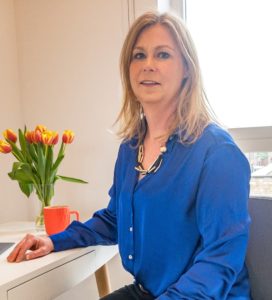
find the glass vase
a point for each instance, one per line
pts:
(39, 220)
(44, 193)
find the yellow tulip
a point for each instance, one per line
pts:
(5, 147)
(50, 137)
(10, 135)
(47, 137)
(68, 136)
(40, 128)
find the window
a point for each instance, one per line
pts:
(234, 43)
(261, 173)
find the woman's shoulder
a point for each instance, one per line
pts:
(214, 135)
(127, 147)
(217, 145)
(217, 140)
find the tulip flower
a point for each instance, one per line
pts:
(49, 137)
(10, 135)
(40, 128)
(5, 147)
(68, 136)
(55, 138)
(28, 136)
(36, 136)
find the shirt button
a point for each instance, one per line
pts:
(130, 229)
(130, 257)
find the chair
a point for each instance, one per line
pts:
(259, 255)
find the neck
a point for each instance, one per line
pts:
(158, 121)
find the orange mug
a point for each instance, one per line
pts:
(57, 218)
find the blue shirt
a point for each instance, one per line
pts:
(182, 231)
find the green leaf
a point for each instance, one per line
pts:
(11, 176)
(25, 146)
(57, 162)
(41, 163)
(59, 157)
(22, 172)
(22, 176)
(49, 193)
(15, 167)
(71, 179)
(53, 177)
(26, 188)
(32, 152)
(22, 143)
(49, 164)
(17, 152)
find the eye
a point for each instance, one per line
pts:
(163, 55)
(138, 55)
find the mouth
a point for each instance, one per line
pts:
(149, 83)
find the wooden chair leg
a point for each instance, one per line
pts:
(103, 281)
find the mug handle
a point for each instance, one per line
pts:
(76, 213)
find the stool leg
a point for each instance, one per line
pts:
(102, 281)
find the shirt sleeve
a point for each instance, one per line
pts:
(223, 221)
(101, 229)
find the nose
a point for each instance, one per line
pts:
(150, 65)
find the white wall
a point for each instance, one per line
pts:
(69, 76)
(12, 202)
(68, 53)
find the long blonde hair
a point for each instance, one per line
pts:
(193, 112)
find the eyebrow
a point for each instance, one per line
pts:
(156, 48)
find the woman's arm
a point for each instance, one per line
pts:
(223, 222)
(101, 229)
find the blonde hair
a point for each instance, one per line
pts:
(193, 112)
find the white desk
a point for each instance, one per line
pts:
(47, 277)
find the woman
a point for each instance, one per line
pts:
(178, 207)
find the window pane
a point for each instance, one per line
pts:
(261, 173)
(234, 43)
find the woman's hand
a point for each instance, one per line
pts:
(39, 246)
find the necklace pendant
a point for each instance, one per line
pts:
(163, 149)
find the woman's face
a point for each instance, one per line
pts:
(157, 69)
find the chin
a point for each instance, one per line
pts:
(150, 99)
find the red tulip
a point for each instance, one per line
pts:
(28, 136)
(55, 138)
(10, 135)
(36, 136)
(5, 147)
(68, 136)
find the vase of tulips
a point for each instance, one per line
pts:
(35, 168)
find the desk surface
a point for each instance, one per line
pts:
(15, 274)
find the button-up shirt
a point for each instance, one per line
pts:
(182, 231)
